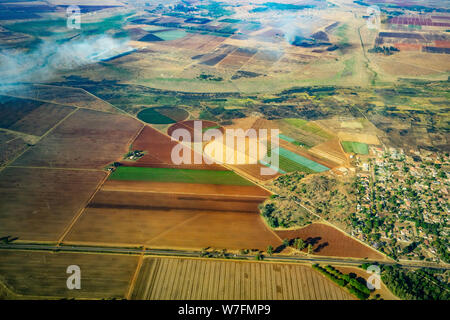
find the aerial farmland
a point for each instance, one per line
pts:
(224, 150)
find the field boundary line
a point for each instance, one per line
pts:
(82, 210)
(39, 140)
(88, 93)
(58, 168)
(58, 103)
(135, 275)
(173, 228)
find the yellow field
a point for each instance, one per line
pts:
(43, 275)
(191, 279)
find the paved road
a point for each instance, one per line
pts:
(182, 253)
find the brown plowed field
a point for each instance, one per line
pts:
(254, 170)
(328, 241)
(161, 201)
(159, 149)
(187, 229)
(331, 150)
(30, 116)
(43, 274)
(202, 279)
(86, 139)
(38, 204)
(173, 187)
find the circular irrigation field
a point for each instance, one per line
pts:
(162, 115)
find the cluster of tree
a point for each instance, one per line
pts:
(220, 113)
(384, 50)
(356, 286)
(441, 244)
(414, 285)
(210, 77)
(266, 212)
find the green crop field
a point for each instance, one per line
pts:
(152, 116)
(288, 165)
(302, 161)
(179, 175)
(171, 35)
(355, 147)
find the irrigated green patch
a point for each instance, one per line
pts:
(355, 147)
(162, 115)
(171, 35)
(288, 165)
(179, 175)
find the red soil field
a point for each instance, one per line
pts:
(329, 241)
(38, 204)
(230, 230)
(188, 229)
(159, 149)
(86, 139)
(408, 46)
(173, 187)
(160, 201)
(442, 44)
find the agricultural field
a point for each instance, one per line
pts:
(66, 96)
(12, 144)
(355, 147)
(162, 115)
(179, 175)
(41, 275)
(329, 241)
(30, 116)
(87, 157)
(163, 228)
(86, 139)
(38, 204)
(199, 279)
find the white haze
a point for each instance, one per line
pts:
(50, 57)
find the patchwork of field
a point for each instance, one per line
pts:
(155, 203)
(38, 204)
(158, 148)
(200, 279)
(173, 228)
(86, 139)
(328, 241)
(43, 275)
